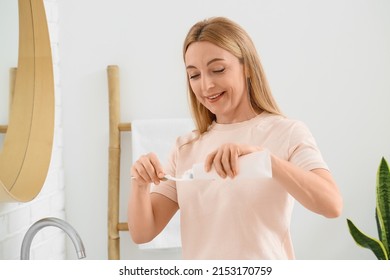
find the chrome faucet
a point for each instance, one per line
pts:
(32, 231)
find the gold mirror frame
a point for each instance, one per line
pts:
(26, 153)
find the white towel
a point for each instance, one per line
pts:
(159, 136)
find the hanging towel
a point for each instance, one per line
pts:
(159, 136)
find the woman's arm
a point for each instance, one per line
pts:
(315, 189)
(148, 213)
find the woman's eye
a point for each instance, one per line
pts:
(193, 76)
(219, 70)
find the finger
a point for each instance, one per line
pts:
(147, 170)
(226, 161)
(231, 160)
(142, 165)
(139, 174)
(159, 171)
(234, 163)
(209, 161)
(154, 168)
(218, 165)
(134, 173)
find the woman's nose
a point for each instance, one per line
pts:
(207, 83)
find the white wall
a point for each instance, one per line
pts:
(16, 218)
(328, 65)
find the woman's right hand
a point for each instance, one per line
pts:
(147, 169)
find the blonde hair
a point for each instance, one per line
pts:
(228, 35)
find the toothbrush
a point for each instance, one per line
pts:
(187, 176)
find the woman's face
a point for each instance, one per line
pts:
(218, 80)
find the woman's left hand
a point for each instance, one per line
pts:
(225, 158)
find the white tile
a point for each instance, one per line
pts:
(12, 247)
(18, 219)
(3, 227)
(57, 201)
(40, 209)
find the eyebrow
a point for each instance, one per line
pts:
(208, 63)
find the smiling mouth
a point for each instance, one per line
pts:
(215, 97)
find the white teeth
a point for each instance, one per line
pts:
(214, 96)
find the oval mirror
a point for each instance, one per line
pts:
(27, 145)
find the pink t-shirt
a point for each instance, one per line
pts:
(239, 219)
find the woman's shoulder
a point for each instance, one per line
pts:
(279, 122)
(187, 138)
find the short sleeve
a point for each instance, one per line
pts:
(303, 150)
(168, 188)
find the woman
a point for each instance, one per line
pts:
(235, 115)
